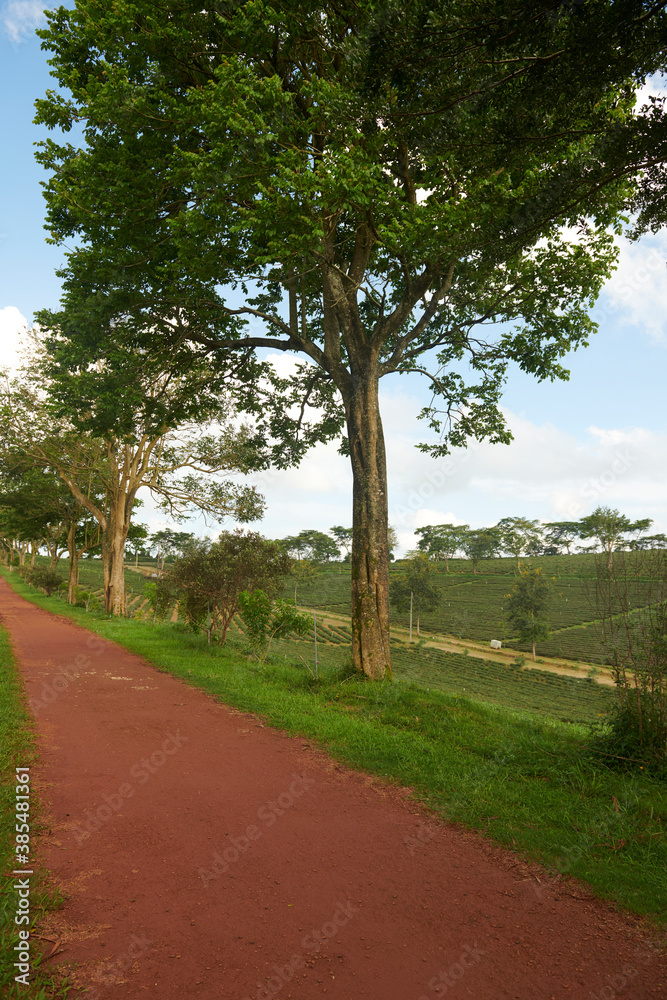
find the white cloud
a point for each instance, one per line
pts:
(20, 18)
(545, 473)
(637, 290)
(13, 325)
(655, 86)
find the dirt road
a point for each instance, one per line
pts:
(207, 856)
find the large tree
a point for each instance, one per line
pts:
(369, 186)
(441, 540)
(610, 528)
(519, 535)
(172, 432)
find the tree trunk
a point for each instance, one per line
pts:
(113, 555)
(73, 578)
(370, 552)
(533, 652)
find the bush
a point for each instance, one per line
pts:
(265, 621)
(159, 600)
(48, 579)
(635, 734)
(207, 581)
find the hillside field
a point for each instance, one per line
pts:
(472, 608)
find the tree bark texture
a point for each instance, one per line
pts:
(370, 553)
(73, 578)
(113, 552)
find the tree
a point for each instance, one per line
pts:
(518, 535)
(343, 538)
(415, 590)
(441, 540)
(560, 533)
(137, 537)
(265, 621)
(315, 546)
(609, 528)
(527, 607)
(168, 542)
(368, 187)
(46, 512)
(480, 543)
(630, 600)
(208, 579)
(658, 541)
(162, 440)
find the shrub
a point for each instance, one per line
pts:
(48, 579)
(207, 581)
(265, 621)
(635, 734)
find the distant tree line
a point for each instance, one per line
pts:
(606, 529)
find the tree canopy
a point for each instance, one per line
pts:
(370, 187)
(609, 528)
(172, 433)
(527, 606)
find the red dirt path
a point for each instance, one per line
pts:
(330, 883)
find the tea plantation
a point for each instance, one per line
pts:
(472, 607)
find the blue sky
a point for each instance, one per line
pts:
(600, 438)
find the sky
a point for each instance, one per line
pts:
(598, 439)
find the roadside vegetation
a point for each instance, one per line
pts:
(525, 778)
(17, 748)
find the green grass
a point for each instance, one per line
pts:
(473, 604)
(569, 699)
(528, 781)
(17, 748)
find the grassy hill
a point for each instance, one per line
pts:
(473, 605)
(473, 602)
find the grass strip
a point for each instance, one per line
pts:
(17, 748)
(526, 781)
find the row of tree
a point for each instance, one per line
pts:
(375, 188)
(68, 481)
(608, 529)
